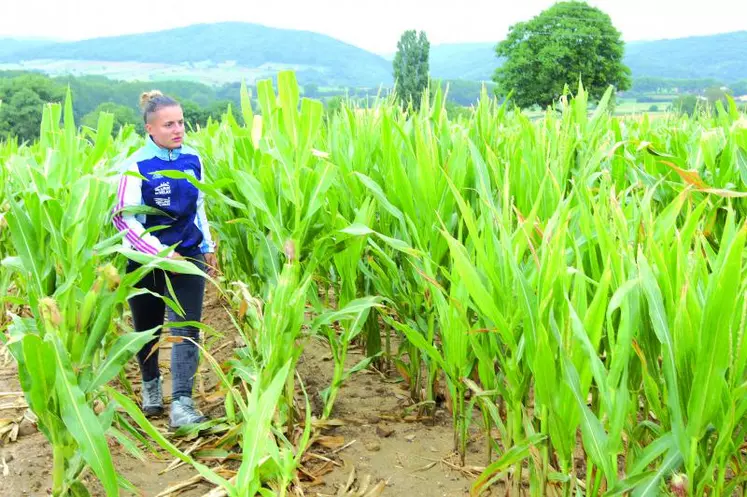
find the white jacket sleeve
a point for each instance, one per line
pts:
(207, 244)
(129, 194)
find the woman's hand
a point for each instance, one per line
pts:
(212, 264)
(176, 256)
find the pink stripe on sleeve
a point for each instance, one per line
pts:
(135, 240)
(119, 222)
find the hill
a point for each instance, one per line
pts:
(722, 57)
(10, 46)
(228, 52)
(316, 58)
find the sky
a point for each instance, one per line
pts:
(374, 26)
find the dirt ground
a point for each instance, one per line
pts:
(372, 437)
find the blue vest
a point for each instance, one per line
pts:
(177, 198)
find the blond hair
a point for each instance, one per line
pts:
(152, 101)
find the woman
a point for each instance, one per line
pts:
(183, 225)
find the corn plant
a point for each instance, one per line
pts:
(346, 265)
(413, 199)
(272, 184)
(268, 459)
(271, 196)
(6, 150)
(702, 351)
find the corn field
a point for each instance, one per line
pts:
(577, 282)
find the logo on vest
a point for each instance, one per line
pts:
(163, 189)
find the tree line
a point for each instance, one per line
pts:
(650, 85)
(567, 43)
(564, 44)
(23, 95)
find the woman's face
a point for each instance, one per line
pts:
(166, 126)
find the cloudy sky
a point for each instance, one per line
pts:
(375, 26)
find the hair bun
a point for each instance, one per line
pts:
(152, 101)
(147, 96)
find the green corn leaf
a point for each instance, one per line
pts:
(597, 368)
(81, 421)
(595, 438)
(128, 444)
(351, 310)
(256, 428)
(623, 487)
(418, 340)
(324, 179)
(650, 487)
(246, 105)
(512, 456)
(121, 352)
(712, 362)
(125, 484)
(137, 416)
(77, 489)
(38, 355)
(289, 96)
(360, 366)
(103, 139)
(358, 229)
(267, 100)
(661, 328)
(26, 242)
(545, 373)
(380, 197)
(477, 290)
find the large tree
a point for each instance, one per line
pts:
(123, 116)
(23, 98)
(568, 41)
(411, 67)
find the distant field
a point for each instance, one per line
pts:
(206, 73)
(635, 107)
(625, 107)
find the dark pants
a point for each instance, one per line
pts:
(148, 313)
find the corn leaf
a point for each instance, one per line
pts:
(121, 352)
(80, 419)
